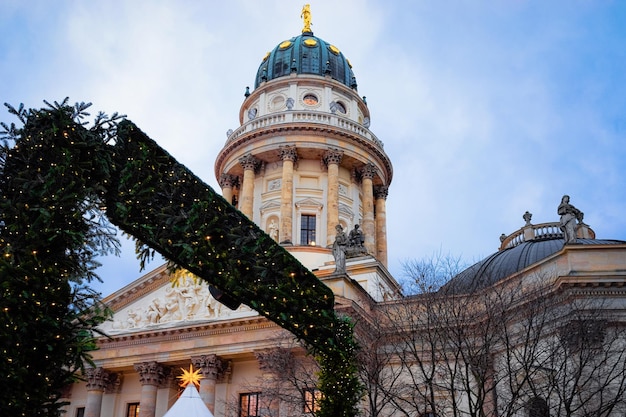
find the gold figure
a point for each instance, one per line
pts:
(306, 16)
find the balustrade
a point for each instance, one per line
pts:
(315, 117)
(537, 231)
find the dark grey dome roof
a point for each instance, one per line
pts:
(509, 261)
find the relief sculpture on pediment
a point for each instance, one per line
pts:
(190, 300)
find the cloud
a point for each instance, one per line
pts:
(486, 110)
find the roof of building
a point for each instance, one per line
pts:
(305, 54)
(514, 258)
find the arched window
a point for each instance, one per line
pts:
(537, 407)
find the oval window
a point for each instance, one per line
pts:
(310, 99)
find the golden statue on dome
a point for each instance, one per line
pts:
(306, 16)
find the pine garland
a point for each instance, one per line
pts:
(59, 177)
(50, 187)
(159, 201)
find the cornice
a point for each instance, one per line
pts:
(186, 332)
(138, 288)
(608, 284)
(296, 129)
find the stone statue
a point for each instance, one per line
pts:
(306, 16)
(356, 237)
(339, 249)
(569, 215)
(273, 230)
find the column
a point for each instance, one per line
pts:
(97, 380)
(212, 368)
(380, 193)
(246, 199)
(367, 189)
(332, 159)
(289, 156)
(271, 364)
(490, 405)
(151, 375)
(228, 182)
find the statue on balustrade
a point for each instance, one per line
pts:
(356, 240)
(356, 237)
(339, 250)
(570, 215)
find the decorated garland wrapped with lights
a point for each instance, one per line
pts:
(151, 196)
(163, 204)
(52, 177)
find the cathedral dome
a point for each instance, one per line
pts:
(306, 54)
(525, 247)
(507, 262)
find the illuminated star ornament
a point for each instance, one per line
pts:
(190, 377)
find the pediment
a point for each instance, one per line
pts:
(309, 203)
(270, 206)
(153, 302)
(345, 210)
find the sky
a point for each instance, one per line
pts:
(486, 109)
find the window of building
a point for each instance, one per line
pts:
(80, 412)
(337, 66)
(537, 407)
(310, 99)
(307, 229)
(583, 334)
(249, 404)
(312, 399)
(132, 410)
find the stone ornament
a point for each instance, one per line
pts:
(570, 215)
(347, 246)
(339, 250)
(190, 300)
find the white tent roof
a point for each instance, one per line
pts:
(189, 404)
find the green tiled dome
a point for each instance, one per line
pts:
(306, 54)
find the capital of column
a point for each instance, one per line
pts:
(210, 366)
(288, 153)
(381, 191)
(99, 379)
(368, 171)
(249, 161)
(332, 156)
(152, 373)
(228, 180)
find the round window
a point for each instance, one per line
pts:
(310, 99)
